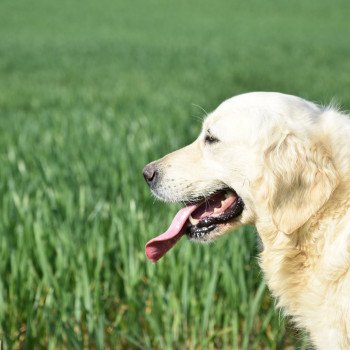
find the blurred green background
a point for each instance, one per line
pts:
(90, 91)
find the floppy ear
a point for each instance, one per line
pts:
(300, 179)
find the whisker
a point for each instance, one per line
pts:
(201, 108)
(199, 117)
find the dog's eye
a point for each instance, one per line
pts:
(210, 139)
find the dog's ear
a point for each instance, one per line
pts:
(300, 178)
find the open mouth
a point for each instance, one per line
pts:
(197, 220)
(219, 208)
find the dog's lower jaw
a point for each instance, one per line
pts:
(219, 231)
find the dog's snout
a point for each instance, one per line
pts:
(150, 173)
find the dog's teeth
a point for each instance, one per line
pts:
(193, 221)
(217, 210)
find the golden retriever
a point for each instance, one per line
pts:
(283, 164)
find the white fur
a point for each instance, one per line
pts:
(289, 160)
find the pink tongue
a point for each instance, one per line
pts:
(159, 245)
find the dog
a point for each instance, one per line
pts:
(281, 163)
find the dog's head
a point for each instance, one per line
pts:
(261, 158)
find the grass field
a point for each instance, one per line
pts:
(89, 93)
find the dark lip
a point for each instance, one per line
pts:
(209, 223)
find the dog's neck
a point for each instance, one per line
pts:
(296, 262)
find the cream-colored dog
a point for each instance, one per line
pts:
(283, 164)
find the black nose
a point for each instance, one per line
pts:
(150, 173)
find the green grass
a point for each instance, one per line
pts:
(89, 93)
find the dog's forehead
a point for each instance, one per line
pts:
(247, 113)
(236, 114)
